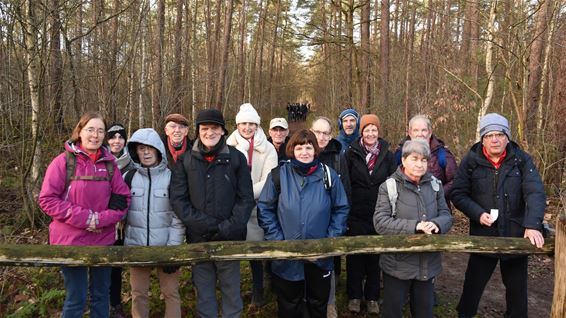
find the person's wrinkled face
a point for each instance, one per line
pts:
(92, 135)
(278, 135)
(210, 134)
(321, 129)
(304, 153)
(116, 143)
(176, 132)
(147, 154)
(419, 130)
(349, 124)
(494, 143)
(247, 130)
(415, 166)
(370, 134)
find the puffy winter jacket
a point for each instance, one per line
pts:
(333, 156)
(415, 203)
(365, 185)
(150, 220)
(212, 198)
(264, 159)
(71, 208)
(445, 175)
(303, 210)
(516, 189)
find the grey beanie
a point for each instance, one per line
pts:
(494, 122)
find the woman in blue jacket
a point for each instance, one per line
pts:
(306, 200)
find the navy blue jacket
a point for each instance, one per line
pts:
(516, 189)
(303, 210)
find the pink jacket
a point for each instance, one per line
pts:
(70, 208)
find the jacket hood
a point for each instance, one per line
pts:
(400, 176)
(477, 150)
(146, 136)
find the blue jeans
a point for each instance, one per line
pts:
(205, 276)
(78, 282)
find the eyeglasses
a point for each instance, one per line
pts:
(176, 126)
(324, 134)
(92, 131)
(498, 136)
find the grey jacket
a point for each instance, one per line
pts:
(415, 203)
(150, 220)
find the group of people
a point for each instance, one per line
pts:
(106, 189)
(298, 111)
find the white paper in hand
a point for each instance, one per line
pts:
(494, 214)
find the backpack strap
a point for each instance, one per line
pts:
(398, 157)
(71, 163)
(392, 192)
(436, 184)
(276, 177)
(327, 177)
(442, 157)
(129, 176)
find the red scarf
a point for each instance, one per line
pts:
(499, 161)
(250, 152)
(174, 152)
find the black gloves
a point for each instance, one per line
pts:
(117, 202)
(170, 269)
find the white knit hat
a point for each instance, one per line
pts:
(247, 114)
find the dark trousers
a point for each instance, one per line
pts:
(395, 293)
(257, 275)
(305, 298)
(116, 281)
(478, 273)
(362, 266)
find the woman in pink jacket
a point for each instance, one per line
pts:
(84, 194)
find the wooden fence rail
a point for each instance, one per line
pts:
(51, 255)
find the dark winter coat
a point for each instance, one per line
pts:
(333, 157)
(516, 189)
(213, 200)
(445, 175)
(304, 209)
(281, 155)
(415, 203)
(365, 187)
(170, 162)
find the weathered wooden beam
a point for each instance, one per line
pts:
(559, 296)
(51, 255)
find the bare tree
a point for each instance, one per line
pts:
(220, 84)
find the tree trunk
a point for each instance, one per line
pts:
(242, 53)
(177, 89)
(366, 54)
(385, 54)
(158, 67)
(489, 67)
(56, 69)
(272, 102)
(220, 84)
(53, 255)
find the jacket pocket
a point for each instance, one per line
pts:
(161, 200)
(137, 199)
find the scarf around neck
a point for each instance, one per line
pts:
(305, 169)
(371, 154)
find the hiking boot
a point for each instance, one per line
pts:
(257, 298)
(331, 311)
(373, 307)
(354, 305)
(117, 312)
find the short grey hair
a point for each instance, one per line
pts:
(325, 119)
(420, 117)
(416, 146)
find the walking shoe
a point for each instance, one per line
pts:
(117, 312)
(373, 307)
(354, 305)
(331, 311)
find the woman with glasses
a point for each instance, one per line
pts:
(370, 162)
(85, 196)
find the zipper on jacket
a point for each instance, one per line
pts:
(148, 203)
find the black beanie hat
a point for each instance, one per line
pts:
(116, 129)
(210, 116)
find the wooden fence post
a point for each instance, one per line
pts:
(559, 298)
